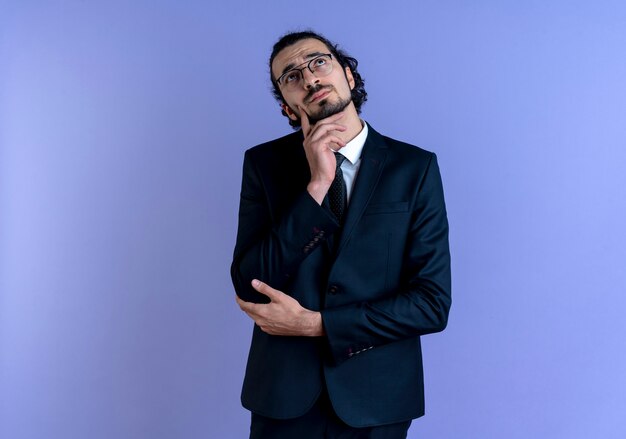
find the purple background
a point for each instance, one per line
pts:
(122, 131)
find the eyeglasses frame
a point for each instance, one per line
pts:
(307, 66)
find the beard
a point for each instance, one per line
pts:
(327, 108)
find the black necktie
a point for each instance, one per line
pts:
(337, 195)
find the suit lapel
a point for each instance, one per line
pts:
(372, 163)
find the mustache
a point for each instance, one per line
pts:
(314, 89)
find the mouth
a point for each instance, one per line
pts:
(319, 95)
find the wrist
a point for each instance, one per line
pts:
(318, 190)
(314, 324)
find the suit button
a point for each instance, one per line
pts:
(333, 289)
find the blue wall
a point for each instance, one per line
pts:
(122, 132)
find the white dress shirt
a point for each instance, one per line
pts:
(352, 153)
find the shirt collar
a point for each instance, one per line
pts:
(352, 150)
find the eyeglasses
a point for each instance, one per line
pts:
(320, 66)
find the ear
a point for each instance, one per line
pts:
(350, 78)
(290, 113)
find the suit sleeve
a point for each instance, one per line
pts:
(421, 304)
(271, 248)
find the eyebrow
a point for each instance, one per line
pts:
(308, 57)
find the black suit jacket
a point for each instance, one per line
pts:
(380, 282)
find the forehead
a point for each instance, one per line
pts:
(296, 54)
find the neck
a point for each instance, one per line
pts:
(352, 121)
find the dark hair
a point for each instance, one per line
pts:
(359, 95)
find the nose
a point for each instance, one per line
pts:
(309, 79)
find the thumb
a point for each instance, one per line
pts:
(265, 289)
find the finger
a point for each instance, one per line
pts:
(323, 122)
(252, 309)
(265, 289)
(304, 121)
(330, 141)
(321, 130)
(245, 306)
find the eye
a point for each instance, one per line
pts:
(292, 76)
(320, 61)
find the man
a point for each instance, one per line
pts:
(341, 259)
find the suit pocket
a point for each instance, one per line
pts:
(392, 207)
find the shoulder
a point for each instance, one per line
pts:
(281, 146)
(404, 148)
(399, 150)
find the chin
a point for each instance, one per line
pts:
(328, 108)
